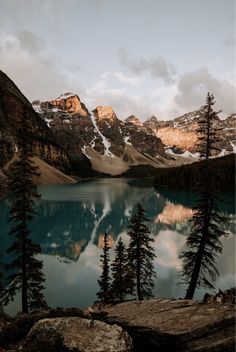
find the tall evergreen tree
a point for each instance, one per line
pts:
(204, 244)
(121, 283)
(141, 254)
(25, 269)
(104, 294)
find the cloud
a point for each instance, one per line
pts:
(41, 74)
(193, 87)
(37, 71)
(30, 42)
(133, 81)
(123, 102)
(168, 245)
(230, 42)
(156, 67)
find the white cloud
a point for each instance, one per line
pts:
(157, 67)
(124, 103)
(193, 87)
(38, 73)
(168, 245)
(133, 81)
(30, 42)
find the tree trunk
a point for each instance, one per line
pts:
(197, 266)
(195, 274)
(24, 280)
(139, 292)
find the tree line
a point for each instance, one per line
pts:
(132, 269)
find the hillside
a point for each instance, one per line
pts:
(14, 106)
(186, 176)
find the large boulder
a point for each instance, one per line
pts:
(174, 325)
(77, 335)
(13, 330)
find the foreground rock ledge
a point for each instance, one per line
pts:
(77, 335)
(175, 325)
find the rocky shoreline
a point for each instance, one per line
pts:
(160, 324)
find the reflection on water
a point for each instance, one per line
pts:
(73, 218)
(174, 213)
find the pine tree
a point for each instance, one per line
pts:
(121, 283)
(141, 255)
(104, 294)
(25, 269)
(204, 244)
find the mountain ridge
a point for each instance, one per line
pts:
(104, 132)
(66, 135)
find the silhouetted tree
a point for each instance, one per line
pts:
(25, 269)
(204, 244)
(121, 283)
(104, 294)
(141, 255)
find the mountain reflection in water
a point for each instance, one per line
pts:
(71, 222)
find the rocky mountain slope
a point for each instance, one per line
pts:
(70, 138)
(180, 134)
(14, 105)
(47, 173)
(111, 145)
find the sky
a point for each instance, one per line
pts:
(142, 57)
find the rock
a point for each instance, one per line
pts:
(16, 329)
(77, 335)
(174, 325)
(102, 112)
(134, 120)
(15, 106)
(181, 132)
(68, 102)
(227, 296)
(99, 136)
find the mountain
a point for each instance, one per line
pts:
(181, 136)
(110, 145)
(67, 136)
(13, 104)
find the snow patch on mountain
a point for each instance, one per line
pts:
(37, 106)
(126, 140)
(233, 146)
(105, 141)
(223, 153)
(186, 154)
(84, 152)
(92, 144)
(66, 96)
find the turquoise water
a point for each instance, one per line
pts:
(71, 222)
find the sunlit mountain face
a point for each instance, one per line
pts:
(71, 223)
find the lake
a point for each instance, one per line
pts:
(71, 222)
